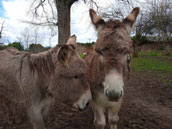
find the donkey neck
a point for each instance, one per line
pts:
(43, 62)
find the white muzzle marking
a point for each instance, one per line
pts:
(113, 82)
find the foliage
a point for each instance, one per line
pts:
(16, 45)
(3, 47)
(156, 21)
(35, 48)
(81, 55)
(140, 40)
(86, 44)
(47, 48)
(152, 65)
(151, 53)
(31, 46)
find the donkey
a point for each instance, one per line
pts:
(39, 80)
(108, 66)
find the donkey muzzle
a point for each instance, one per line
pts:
(114, 95)
(84, 100)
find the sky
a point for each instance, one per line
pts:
(14, 11)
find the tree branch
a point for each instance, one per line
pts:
(70, 2)
(40, 4)
(41, 23)
(1, 30)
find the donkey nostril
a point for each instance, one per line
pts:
(80, 109)
(106, 93)
(114, 95)
(87, 104)
(121, 94)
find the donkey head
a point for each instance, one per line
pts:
(113, 47)
(69, 84)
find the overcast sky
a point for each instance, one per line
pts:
(13, 11)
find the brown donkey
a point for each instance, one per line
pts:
(38, 80)
(108, 66)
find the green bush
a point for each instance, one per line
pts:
(81, 55)
(16, 45)
(140, 40)
(3, 47)
(86, 44)
(35, 48)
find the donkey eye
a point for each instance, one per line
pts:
(128, 58)
(76, 77)
(99, 52)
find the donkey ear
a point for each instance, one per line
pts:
(131, 18)
(96, 20)
(72, 41)
(63, 54)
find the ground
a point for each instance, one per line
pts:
(147, 104)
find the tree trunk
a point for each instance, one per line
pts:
(63, 9)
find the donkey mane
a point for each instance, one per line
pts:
(42, 62)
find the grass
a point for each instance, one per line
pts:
(151, 65)
(144, 64)
(169, 83)
(81, 55)
(154, 54)
(150, 53)
(141, 53)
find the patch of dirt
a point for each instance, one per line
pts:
(147, 102)
(147, 105)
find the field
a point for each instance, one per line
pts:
(147, 101)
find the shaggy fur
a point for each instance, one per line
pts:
(108, 66)
(37, 80)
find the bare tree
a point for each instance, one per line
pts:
(116, 9)
(161, 19)
(57, 13)
(36, 36)
(52, 33)
(1, 29)
(26, 37)
(54, 13)
(156, 21)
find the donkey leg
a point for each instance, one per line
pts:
(46, 105)
(113, 120)
(11, 111)
(99, 116)
(36, 117)
(113, 115)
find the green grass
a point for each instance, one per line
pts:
(169, 83)
(81, 55)
(150, 53)
(144, 64)
(141, 53)
(154, 54)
